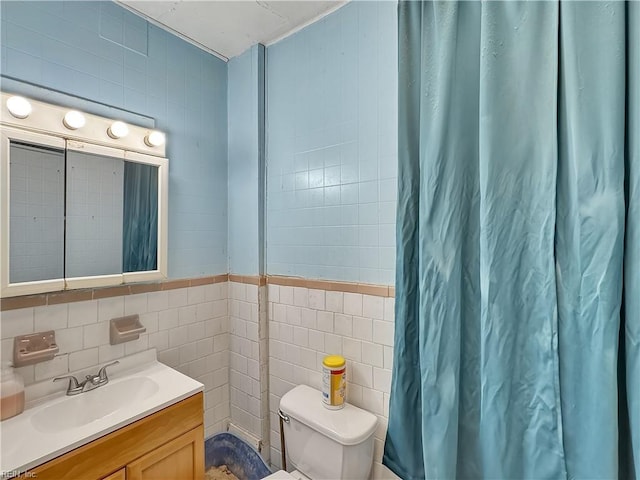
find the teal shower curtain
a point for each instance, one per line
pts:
(517, 341)
(140, 218)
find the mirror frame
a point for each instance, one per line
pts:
(49, 131)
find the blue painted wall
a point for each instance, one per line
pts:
(246, 162)
(332, 147)
(103, 53)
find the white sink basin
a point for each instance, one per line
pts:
(84, 408)
(54, 423)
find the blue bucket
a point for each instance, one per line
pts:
(240, 457)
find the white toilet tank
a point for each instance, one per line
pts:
(323, 443)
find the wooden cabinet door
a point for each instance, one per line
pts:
(119, 475)
(180, 459)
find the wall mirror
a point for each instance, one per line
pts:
(79, 214)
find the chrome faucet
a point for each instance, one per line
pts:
(89, 383)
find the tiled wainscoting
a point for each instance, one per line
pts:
(305, 324)
(247, 342)
(188, 327)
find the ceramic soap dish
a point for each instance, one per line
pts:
(125, 329)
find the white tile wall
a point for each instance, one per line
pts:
(307, 324)
(249, 401)
(248, 345)
(188, 327)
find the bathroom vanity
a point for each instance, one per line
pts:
(147, 422)
(168, 444)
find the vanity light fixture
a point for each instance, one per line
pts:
(19, 107)
(118, 130)
(155, 139)
(73, 120)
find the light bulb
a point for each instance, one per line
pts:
(154, 139)
(118, 130)
(73, 120)
(19, 107)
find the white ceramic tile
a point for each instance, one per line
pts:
(220, 308)
(389, 306)
(353, 304)
(300, 296)
(363, 328)
(187, 315)
(316, 340)
(362, 374)
(195, 332)
(150, 321)
(343, 325)
(83, 359)
(16, 322)
(52, 368)
(316, 299)
(325, 321)
(204, 347)
(308, 318)
(373, 307)
(273, 293)
(157, 301)
(372, 354)
(135, 304)
(252, 293)
(220, 342)
(177, 336)
(107, 353)
(286, 333)
(382, 380)
(301, 336)
(352, 349)
(294, 315)
(188, 353)
(286, 295)
(332, 344)
(109, 308)
(51, 317)
(388, 357)
(138, 345)
(83, 313)
(383, 332)
(6, 350)
(204, 311)
(96, 334)
(70, 339)
(195, 295)
(178, 298)
(372, 401)
(168, 319)
(334, 301)
(279, 312)
(170, 357)
(159, 340)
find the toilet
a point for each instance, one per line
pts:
(323, 443)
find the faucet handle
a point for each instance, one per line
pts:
(73, 382)
(102, 373)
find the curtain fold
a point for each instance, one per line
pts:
(518, 173)
(631, 320)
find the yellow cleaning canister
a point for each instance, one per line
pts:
(334, 381)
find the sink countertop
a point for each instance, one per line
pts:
(32, 438)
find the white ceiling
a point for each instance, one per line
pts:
(228, 28)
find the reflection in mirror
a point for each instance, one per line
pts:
(36, 213)
(140, 235)
(94, 215)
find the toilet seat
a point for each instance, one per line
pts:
(283, 475)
